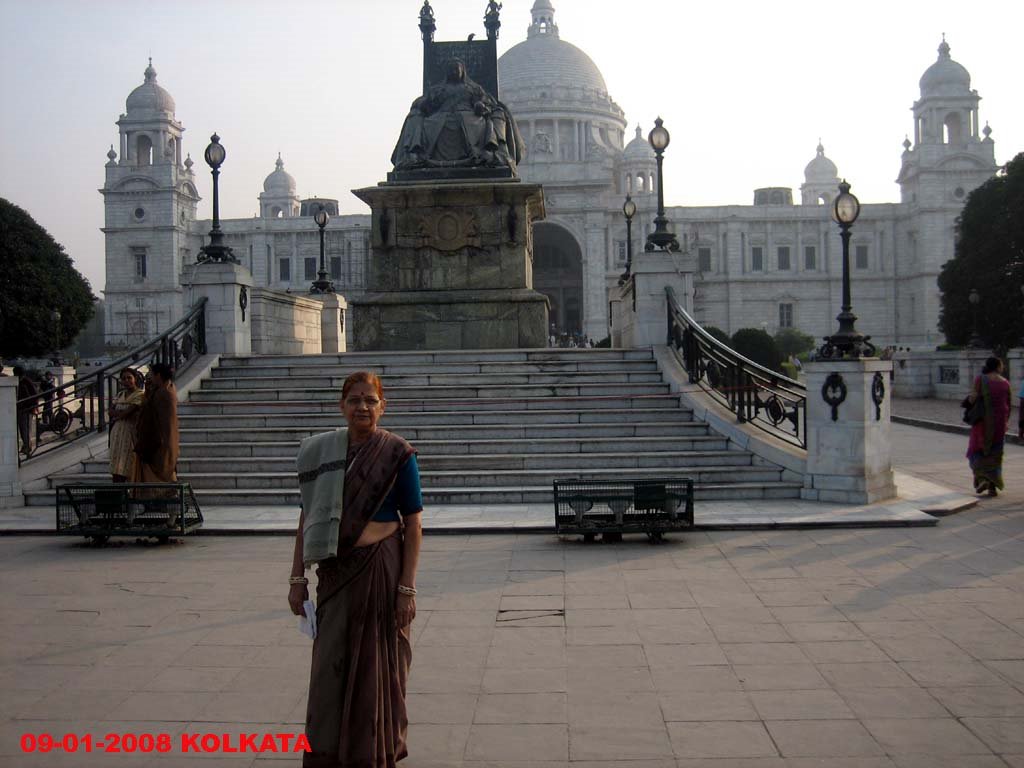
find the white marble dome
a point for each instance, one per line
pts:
(945, 77)
(279, 181)
(149, 97)
(544, 59)
(820, 168)
(639, 149)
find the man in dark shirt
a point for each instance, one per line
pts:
(28, 403)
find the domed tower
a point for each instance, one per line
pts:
(278, 199)
(821, 180)
(573, 132)
(950, 155)
(639, 166)
(149, 203)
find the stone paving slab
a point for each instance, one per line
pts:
(838, 648)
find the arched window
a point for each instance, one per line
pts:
(952, 129)
(143, 150)
(276, 213)
(641, 183)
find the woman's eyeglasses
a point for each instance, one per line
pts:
(355, 402)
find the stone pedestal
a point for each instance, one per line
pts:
(10, 487)
(227, 290)
(332, 323)
(640, 319)
(451, 268)
(849, 455)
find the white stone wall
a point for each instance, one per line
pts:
(283, 323)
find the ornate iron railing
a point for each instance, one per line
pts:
(68, 412)
(757, 395)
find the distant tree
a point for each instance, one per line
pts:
(757, 345)
(719, 334)
(989, 257)
(36, 278)
(790, 341)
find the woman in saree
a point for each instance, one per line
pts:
(156, 440)
(985, 447)
(124, 413)
(360, 524)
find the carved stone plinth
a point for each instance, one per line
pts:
(451, 267)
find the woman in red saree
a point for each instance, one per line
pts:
(361, 525)
(985, 447)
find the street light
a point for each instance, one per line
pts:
(55, 316)
(974, 298)
(322, 284)
(216, 250)
(629, 211)
(660, 238)
(847, 341)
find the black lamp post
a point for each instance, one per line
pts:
(55, 316)
(847, 341)
(974, 298)
(629, 211)
(216, 250)
(660, 238)
(322, 284)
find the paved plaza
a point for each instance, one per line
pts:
(768, 649)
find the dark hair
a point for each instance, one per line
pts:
(19, 371)
(362, 377)
(991, 364)
(163, 370)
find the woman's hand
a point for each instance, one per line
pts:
(297, 595)
(405, 610)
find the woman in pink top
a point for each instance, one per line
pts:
(985, 448)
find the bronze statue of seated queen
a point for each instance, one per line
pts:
(457, 130)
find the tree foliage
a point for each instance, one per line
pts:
(759, 346)
(989, 257)
(719, 334)
(790, 341)
(36, 278)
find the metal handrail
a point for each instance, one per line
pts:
(63, 414)
(757, 395)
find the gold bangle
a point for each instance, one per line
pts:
(293, 580)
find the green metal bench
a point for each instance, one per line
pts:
(651, 506)
(101, 510)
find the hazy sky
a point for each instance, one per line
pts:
(746, 89)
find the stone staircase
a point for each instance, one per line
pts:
(492, 427)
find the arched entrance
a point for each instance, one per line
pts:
(558, 274)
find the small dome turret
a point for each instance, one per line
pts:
(945, 77)
(820, 168)
(149, 97)
(638, 149)
(279, 182)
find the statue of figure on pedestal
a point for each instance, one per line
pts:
(457, 124)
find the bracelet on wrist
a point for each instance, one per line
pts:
(293, 580)
(404, 590)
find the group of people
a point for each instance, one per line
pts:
(144, 427)
(988, 433)
(570, 341)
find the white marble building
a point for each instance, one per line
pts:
(771, 264)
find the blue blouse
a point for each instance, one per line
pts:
(405, 496)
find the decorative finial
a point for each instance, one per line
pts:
(986, 130)
(188, 162)
(639, 131)
(150, 73)
(906, 143)
(111, 155)
(944, 47)
(279, 163)
(821, 148)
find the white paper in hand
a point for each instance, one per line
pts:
(307, 623)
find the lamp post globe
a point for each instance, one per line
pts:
(322, 284)
(847, 341)
(660, 238)
(974, 299)
(216, 251)
(629, 211)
